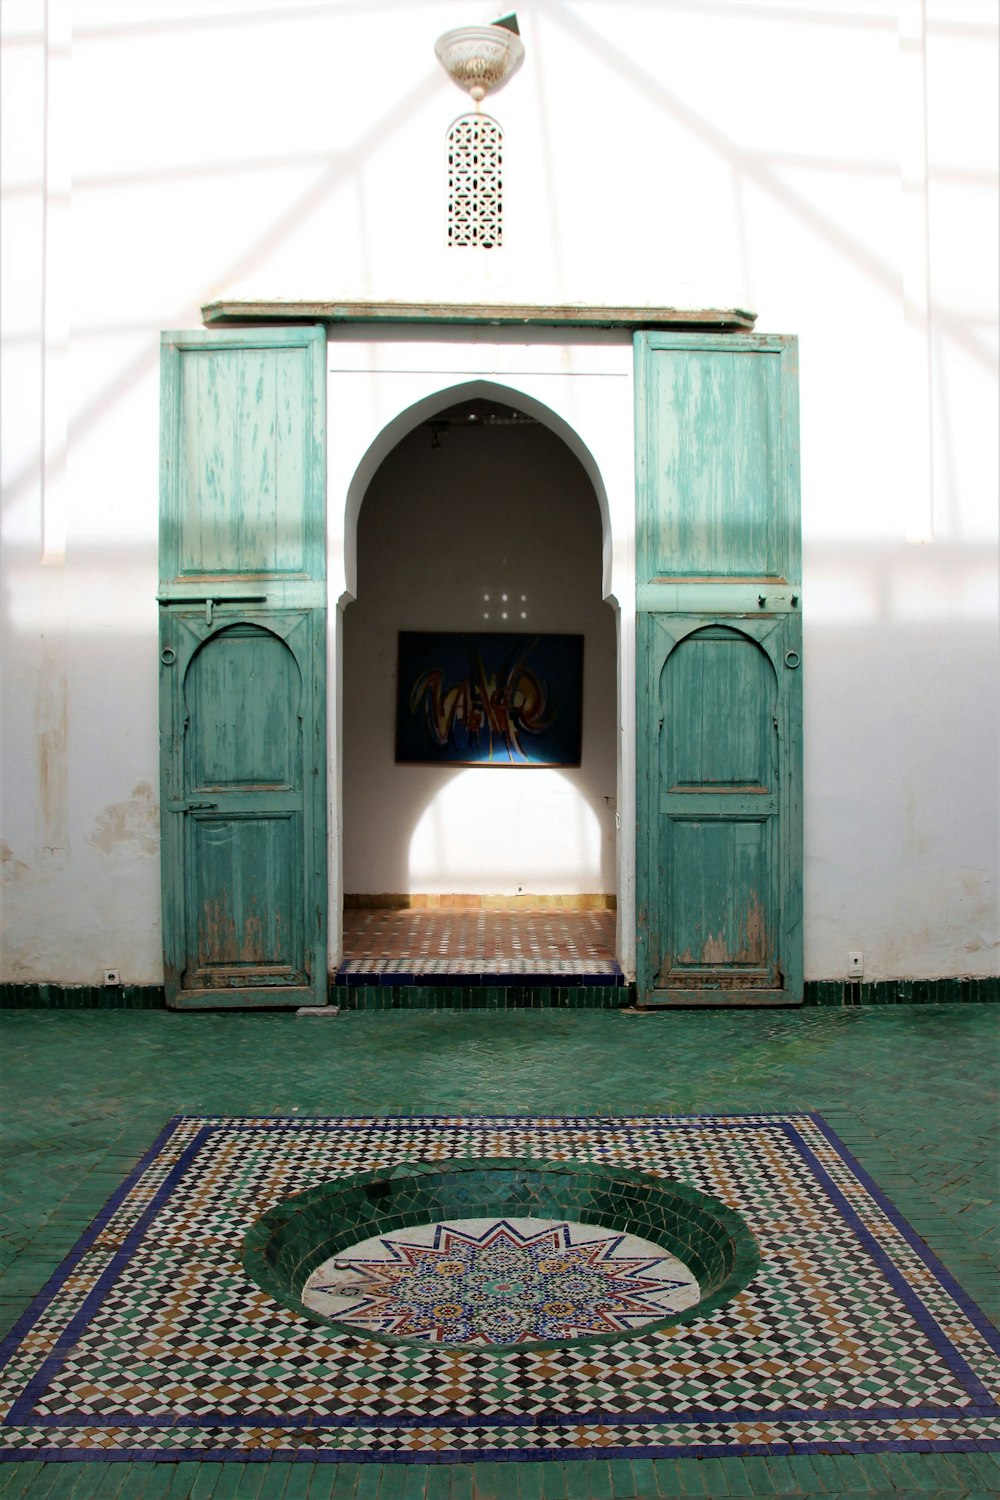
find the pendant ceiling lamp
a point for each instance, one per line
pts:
(480, 59)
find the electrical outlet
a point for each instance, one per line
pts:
(855, 965)
(112, 978)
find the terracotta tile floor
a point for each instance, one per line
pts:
(417, 941)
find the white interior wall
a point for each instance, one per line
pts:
(492, 529)
(832, 166)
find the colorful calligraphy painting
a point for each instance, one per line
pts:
(489, 699)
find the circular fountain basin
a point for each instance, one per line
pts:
(498, 1253)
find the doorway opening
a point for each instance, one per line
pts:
(481, 524)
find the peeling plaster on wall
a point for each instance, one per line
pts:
(982, 913)
(969, 928)
(129, 827)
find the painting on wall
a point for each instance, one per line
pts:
(489, 699)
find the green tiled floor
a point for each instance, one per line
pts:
(909, 1089)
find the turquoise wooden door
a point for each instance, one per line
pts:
(720, 818)
(719, 860)
(242, 657)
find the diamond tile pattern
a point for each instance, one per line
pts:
(500, 943)
(151, 1341)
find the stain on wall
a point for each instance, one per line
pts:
(11, 868)
(131, 826)
(51, 734)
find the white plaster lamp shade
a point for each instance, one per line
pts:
(480, 59)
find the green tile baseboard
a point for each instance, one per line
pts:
(482, 997)
(45, 996)
(961, 990)
(349, 997)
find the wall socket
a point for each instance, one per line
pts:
(112, 977)
(855, 965)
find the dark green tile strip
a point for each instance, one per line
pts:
(82, 997)
(347, 997)
(481, 997)
(825, 992)
(958, 991)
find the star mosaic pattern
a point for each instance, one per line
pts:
(152, 1341)
(501, 1281)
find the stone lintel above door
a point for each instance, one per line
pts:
(570, 315)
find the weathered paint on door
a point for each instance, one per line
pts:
(242, 651)
(239, 768)
(719, 866)
(719, 815)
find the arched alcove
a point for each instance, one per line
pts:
(437, 401)
(477, 516)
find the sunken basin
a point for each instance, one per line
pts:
(500, 1253)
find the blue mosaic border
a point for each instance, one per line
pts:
(444, 976)
(941, 1274)
(983, 1406)
(66, 1267)
(899, 1284)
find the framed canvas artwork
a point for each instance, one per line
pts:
(490, 699)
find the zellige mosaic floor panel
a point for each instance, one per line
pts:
(152, 1342)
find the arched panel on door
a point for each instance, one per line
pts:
(718, 814)
(244, 855)
(722, 691)
(242, 702)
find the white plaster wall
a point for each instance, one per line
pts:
(494, 529)
(832, 166)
